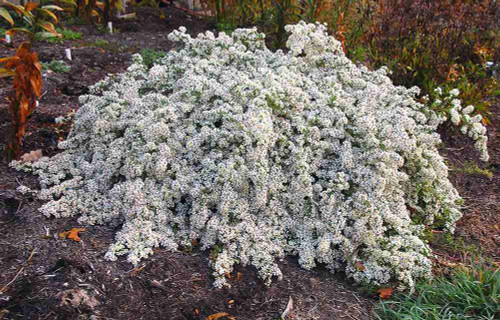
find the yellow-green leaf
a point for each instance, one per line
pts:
(49, 13)
(6, 15)
(50, 28)
(6, 73)
(16, 7)
(52, 7)
(45, 35)
(14, 30)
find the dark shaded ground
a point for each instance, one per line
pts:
(43, 277)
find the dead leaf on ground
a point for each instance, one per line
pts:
(385, 293)
(360, 266)
(32, 156)
(3, 313)
(288, 310)
(238, 276)
(72, 234)
(220, 315)
(76, 298)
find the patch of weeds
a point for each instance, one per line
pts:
(66, 34)
(56, 66)
(448, 241)
(471, 168)
(101, 43)
(471, 293)
(226, 27)
(2, 32)
(149, 56)
(71, 35)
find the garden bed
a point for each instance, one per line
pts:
(39, 270)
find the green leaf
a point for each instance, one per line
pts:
(6, 15)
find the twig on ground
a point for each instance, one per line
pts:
(12, 281)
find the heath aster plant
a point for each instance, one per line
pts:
(260, 154)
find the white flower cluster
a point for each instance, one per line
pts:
(469, 125)
(259, 154)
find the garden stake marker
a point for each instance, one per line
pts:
(68, 54)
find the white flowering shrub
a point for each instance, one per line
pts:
(469, 125)
(260, 154)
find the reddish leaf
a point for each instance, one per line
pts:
(385, 293)
(72, 234)
(30, 6)
(220, 315)
(360, 266)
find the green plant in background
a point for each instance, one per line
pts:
(24, 66)
(35, 17)
(472, 293)
(149, 56)
(285, 13)
(56, 66)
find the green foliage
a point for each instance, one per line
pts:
(69, 34)
(36, 19)
(66, 34)
(56, 66)
(149, 56)
(471, 168)
(470, 294)
(2, 32)
(100, 43)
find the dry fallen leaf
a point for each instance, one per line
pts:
(32, 156)
(77, 298)
(288, 310)
(3, 313)
(385, 293)
(71, 234)
(220, 315)
(238, 276)
(360, 266)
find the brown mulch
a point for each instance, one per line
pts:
(45, 277)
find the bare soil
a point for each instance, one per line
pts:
(44, 277)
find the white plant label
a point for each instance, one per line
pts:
(68, 53)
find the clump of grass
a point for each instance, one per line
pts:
(149, 56)
(56, 66)
(100, 43)
(472, 293)
(67, 34)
